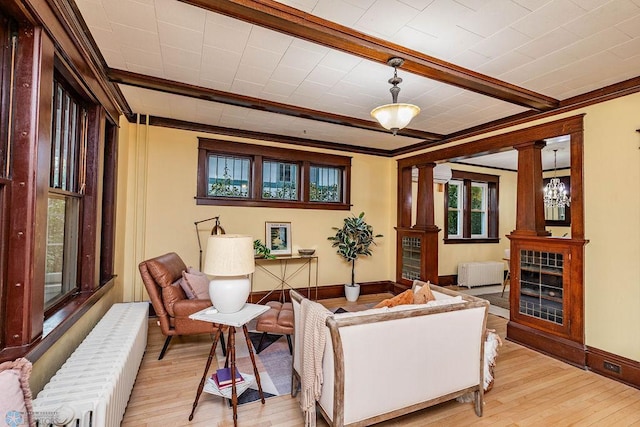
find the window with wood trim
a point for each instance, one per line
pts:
(66, 185)
(471, 208)
(240, 174)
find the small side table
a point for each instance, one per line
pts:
(232, 320)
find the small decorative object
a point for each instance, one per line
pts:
(261, 250)
(278, 237)
(306, 252)
(353, 239)
(230, 261)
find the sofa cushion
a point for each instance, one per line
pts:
(404, 298)
(197, 282)
(423, 295)
(171, 294)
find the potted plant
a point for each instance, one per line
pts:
(261, 250)
(353, 239)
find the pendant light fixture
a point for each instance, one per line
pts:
(555, 195)
(395, 116)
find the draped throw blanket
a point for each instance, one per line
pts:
(491, 344)
(313, 336)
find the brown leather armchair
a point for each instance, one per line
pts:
(161, 277)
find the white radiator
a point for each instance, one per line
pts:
(92, 388)
(480, 273)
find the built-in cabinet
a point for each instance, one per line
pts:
(415, 255)
(547, 296)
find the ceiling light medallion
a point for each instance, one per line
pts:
(555, 195)
(395, 116)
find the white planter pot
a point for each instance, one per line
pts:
(352, 292)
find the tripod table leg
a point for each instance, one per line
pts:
(206, 371)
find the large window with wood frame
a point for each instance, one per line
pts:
(254, 175)
(471, 208)
(66, 185)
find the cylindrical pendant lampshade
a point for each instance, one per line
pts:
(395, 116)
(229, 255)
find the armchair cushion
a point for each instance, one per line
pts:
(166, 269)
(172, 294)
(197, 283)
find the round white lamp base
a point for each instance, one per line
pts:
(229, 294)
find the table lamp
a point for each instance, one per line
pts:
(230, 261)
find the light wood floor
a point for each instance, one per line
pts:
(530, 390)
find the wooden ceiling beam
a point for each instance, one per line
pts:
(293, 22)
(208, 94)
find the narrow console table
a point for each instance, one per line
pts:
(232, 320)
(290, 266)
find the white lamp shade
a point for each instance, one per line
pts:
(395, 116)
(441, 173)
(229, 255)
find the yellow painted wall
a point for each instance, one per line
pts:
(161, 212)
(612, 224)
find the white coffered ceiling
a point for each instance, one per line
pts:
(556, 48)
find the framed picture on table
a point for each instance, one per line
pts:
(278, 237)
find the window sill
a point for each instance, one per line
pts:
(471, 240)
(271, 203)
(57, 325)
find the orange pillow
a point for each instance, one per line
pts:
(404, 298)
(424, 295)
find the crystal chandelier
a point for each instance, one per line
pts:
(395, 116)
(555, 195)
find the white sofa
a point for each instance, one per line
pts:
(382, 363)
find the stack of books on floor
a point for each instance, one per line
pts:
(220, 383)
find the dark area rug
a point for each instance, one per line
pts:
(268, 339)
(497, 300)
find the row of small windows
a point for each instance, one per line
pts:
(230, 176)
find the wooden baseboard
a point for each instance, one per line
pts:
(561, 348)
(333, 291)
(450, 280)
(613, 366)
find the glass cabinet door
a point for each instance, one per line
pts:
(541, 285)
(411, 257)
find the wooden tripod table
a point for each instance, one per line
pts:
(233, 321)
